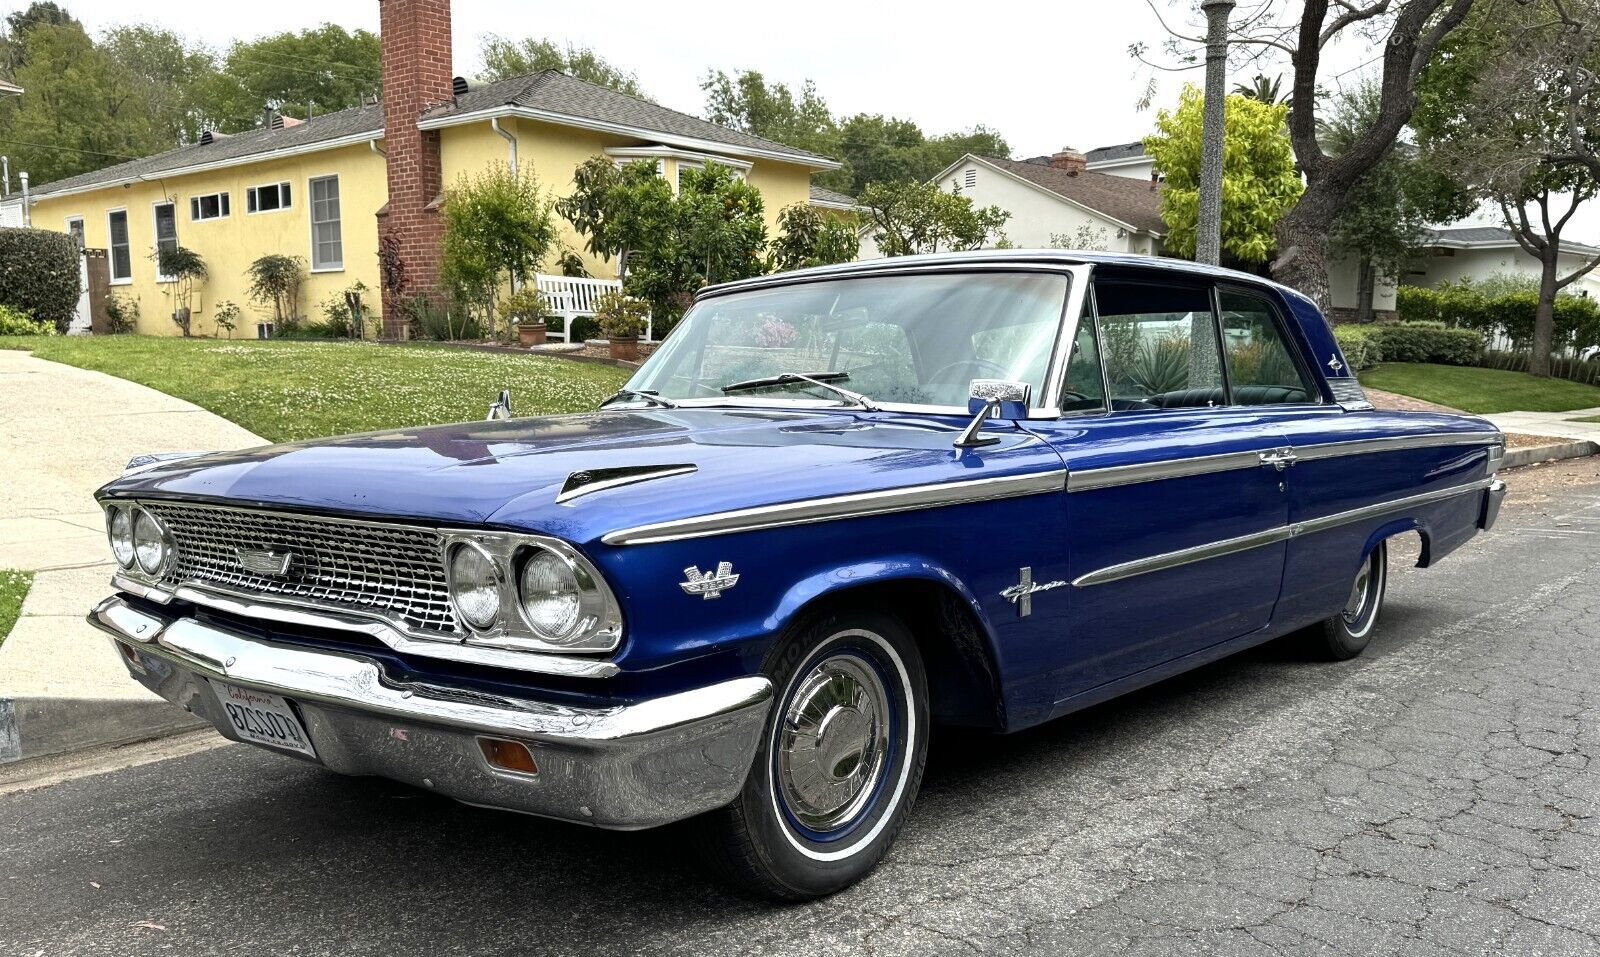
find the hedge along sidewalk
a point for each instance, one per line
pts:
(68, 431)
(39, 274)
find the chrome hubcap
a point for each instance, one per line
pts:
(833, 742)
(1357, 603)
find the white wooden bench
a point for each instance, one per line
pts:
(570, 297)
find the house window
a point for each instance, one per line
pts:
(75, 230)
(971, 179)
(210, 206)
(121, 254)
(327, 240)
(166, 223)
(265, 199)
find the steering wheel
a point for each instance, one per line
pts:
(995, 368)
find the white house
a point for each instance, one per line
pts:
(1477, 252)
(1056, 201)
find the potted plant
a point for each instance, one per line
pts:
(183, 268)
(527, 307)
(622, 318)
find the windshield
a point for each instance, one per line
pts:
(892, 339)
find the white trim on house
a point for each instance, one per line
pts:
(245, 160)
(622, 129)
(111, 248)
(659, 153)
(825, 204)
(1567, 246)
(974, 158)
(1140, 160)
(311, 222)
(66, 226)
(155, 235)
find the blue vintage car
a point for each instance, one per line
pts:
(837, 508)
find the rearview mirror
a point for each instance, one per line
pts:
(1003, 398)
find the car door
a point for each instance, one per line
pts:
(1175, 510)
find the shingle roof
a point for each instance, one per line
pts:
(555, 92)
(1106, 154)
(257, 143)
(828, 197)
(1126, 200)
(1492, 236)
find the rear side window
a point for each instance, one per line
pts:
(1261, 366)
(1160, 345)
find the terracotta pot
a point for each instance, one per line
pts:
(625, 348)
(530, 334)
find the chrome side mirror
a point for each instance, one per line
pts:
(993, 398)
(500, 408)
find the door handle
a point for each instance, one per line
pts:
(1279, 459)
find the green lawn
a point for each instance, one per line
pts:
(284, 390)
(1483, 391)
(13, 588)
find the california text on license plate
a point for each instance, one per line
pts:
(262, 718)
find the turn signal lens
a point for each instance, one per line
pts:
(508, 755)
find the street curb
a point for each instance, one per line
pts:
(1555, 452)
(39, 727)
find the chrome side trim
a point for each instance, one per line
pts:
(1084, 480)
(1229, 546)
(833, 508)
(570, 666)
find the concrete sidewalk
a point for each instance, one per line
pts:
(1550, 423)
(67, 431)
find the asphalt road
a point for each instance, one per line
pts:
(1435, 796)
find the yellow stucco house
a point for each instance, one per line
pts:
(327, 188)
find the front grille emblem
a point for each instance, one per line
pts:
(262, 561)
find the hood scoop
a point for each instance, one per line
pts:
(586, 481)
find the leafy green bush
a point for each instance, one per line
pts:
(1465, 306)
(621, 316)
(15, 322)
(275, 281)
(1361, 349)
(39, 274)
(122, 314)
(1427, 342)
(441, 322)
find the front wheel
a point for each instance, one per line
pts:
(840, 759)
(1348, 633)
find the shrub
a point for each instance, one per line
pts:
(1465, 306)
(525, 305)
(39, 274)
(621, 316)
(275, 281)
(122, 314)
(15, 322)
(185, 267)
(226, 315)
(1360, 347)
(442, 322)
(1427, 342)
(1585, 371)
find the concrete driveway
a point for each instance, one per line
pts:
(66, 432)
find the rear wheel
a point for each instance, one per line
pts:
(1348, 633)
(840, 760)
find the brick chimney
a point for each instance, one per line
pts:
(1070, 160)
(416, 76)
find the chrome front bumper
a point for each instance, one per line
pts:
(623, 767)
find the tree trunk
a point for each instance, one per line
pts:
(1544, 318)
(1302, 234)
(1367, 283)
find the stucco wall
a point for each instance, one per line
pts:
(231, 244)
(1035, 214)
(1139, 170)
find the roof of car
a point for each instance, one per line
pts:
(993, 257)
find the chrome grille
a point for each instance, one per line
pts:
(396, 572)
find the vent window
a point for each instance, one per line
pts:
(210, 206)
(265, 199)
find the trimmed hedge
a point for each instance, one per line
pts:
(1577, 319)
(39, 274)
(1367, 345)
(1360, 349)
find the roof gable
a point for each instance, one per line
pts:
(1118, 198)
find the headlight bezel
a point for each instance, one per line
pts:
(598, 629)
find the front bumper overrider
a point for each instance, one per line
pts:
(625, 767)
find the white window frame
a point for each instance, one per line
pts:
(622, 155)
(82, 228)
(111, 249)
(155, 234)
(311, 222)
(251, 191)
(221, 196)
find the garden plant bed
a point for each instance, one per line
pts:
(284, 390)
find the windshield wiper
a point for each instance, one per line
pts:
(822, 380)
(649, 396)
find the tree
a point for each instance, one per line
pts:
(810, 237)
(81, 110)
(1258, 176)
(912, 217)
(323, 69)
(504, 57)
(1385, 218)
(618, 209)
(746, 102)
(498, 228)
(1498, 127)
(1407, 32)
(171, 76)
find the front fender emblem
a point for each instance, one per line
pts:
(1021, 594)
(709, 585)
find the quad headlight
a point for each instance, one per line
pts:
(119, 529)
(475, 585)
(138, 540)
(530, 592)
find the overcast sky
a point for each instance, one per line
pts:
(1046, 75)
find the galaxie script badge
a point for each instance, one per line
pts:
(709, 586)
(263, 561)
(1021, 594)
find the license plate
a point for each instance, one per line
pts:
(263, 718)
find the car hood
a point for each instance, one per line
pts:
(509, 473)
